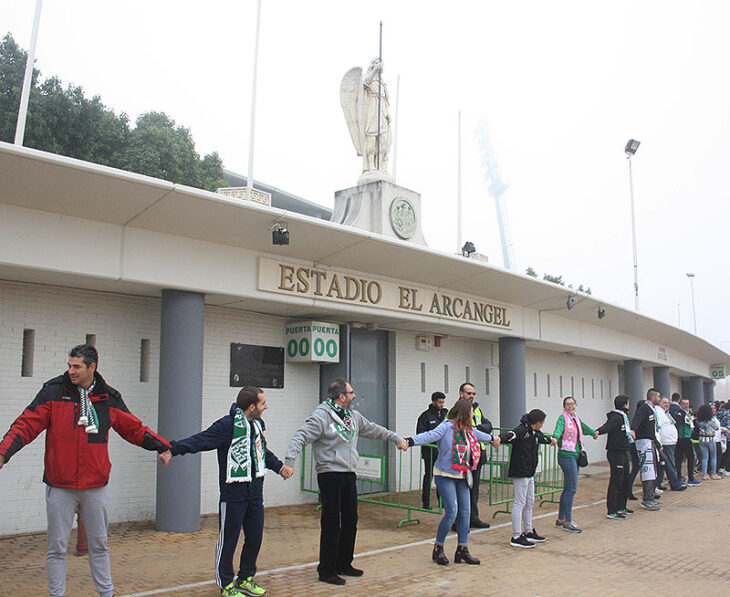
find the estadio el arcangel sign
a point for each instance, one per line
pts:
(330, 285)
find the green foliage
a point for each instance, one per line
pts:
(554, 279)
(66, 122)
(557, 280)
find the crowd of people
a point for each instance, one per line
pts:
(78, 408)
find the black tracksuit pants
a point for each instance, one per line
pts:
(618, 485)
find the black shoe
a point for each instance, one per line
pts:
(679, 488)
(521, 541)
(439, 556)
(662, 487)
(350, 571)
(332, 580)
(534, 537)
(462, 555)
(478, 524)
(632, 497)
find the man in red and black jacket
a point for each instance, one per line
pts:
(76, 410)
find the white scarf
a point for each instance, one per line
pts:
(239, 465)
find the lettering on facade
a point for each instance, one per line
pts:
(330, 285)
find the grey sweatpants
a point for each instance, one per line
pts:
(524, 491)
(61, 506)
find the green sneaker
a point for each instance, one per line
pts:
(231, 590)
(248, 586)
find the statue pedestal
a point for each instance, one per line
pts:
(381, 207)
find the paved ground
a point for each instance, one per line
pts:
(681, 550)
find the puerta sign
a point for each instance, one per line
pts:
(362, 291)
(312, 341)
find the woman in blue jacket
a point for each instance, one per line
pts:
(458, 456)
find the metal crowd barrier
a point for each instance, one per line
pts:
(548, 477)
(392, 478)
(385, 476)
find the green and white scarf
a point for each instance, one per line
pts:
(88, 417)
(343, 421)
(241, 468)
(627, 425)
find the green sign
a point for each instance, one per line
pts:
(312, 341)
(717, 371)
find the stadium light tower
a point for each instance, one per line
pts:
(630, 151)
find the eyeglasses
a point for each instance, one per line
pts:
(470, 393)
(352, 392)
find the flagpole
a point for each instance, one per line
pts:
(458, 189)
(249, 177)
(28, 79)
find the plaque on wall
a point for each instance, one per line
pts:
(261, 366)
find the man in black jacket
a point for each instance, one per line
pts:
(430, 418)
(620, 438)
(644, 425)
(525, 440)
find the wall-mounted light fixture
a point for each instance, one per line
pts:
(280, 234)
(570, 302)
(601, 313)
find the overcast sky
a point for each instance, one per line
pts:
(559, 86)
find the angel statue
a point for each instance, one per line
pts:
(363, 99)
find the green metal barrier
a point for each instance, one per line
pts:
(388, 477)
(385, 476)
(548, 477)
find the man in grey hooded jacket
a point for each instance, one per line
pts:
(333, 429)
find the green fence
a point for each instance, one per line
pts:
(385, 476)
(548, 477)
(392, 478)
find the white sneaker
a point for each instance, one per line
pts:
(727, 473)
(658, 491)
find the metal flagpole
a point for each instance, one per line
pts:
(380, 81)
(458, 191)
(249, 177)
(25, 94)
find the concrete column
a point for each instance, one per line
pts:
(661, 381)
(180, 407)
(634, 382)
(709, 387)
(694, 392)
(512, 385)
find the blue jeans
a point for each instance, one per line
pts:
(708, 453)
(456, 499)
(570, 473)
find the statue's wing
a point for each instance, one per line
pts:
(351, 100)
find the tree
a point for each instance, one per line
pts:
(531, 272)
(554, 279)
(64, 121)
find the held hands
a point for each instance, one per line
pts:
(2, 460)
(553, 441)
(595, 436)
(496, 441)
(165, 457)
(286, 471)
(402, 445)
(633, 434)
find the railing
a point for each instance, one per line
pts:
(391, 478)
(548, 476)
(384, 478)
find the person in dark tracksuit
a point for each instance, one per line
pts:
(242, 462)
(618, 445)
(430, 418)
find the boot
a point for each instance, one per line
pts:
(462, 554)
(439, 556)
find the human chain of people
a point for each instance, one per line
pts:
(78, 408)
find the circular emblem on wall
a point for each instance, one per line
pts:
(403, 217)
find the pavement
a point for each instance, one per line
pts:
(680, 550)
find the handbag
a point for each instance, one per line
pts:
(582, 459)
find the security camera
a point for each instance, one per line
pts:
(279, 234)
